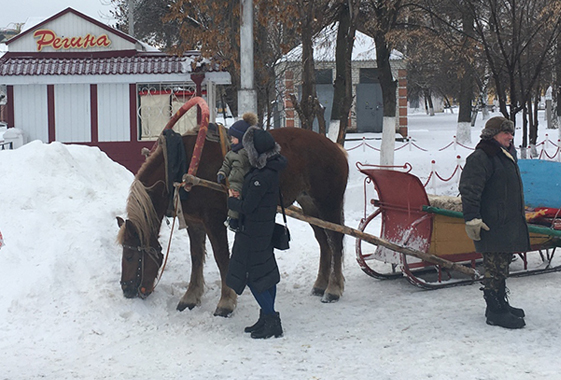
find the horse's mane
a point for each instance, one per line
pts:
(150, 160)
(140, 208)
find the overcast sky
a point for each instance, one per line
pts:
(17, 11)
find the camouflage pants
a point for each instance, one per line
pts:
(496, 269)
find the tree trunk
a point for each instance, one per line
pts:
(342, 95)
(430, 105)
(533, 131)
(308, 71)
(463, 129)
(389, 88)
(524, 129)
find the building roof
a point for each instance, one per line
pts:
(71, 51)
(35, 23)
(364, 48)
(161, 64)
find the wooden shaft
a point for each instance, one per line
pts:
(191, 180)
(297, 213)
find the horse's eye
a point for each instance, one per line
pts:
(129, 255)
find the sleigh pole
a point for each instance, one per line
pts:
(297, 213)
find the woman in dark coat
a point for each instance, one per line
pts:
(253, 261)
(493, 208)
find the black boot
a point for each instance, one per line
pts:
(502, 294)
(272, 327)
(257, 325)
(498, 314)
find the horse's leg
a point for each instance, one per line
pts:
(195, 290)
(219, 241)
(324, 270)
(325, 258)
(336, 279)
(330, 282)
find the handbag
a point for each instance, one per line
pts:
(281, 234)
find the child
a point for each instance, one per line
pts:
(236, 163)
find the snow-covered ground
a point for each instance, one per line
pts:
(64, 317)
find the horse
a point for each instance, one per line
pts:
(316, 177)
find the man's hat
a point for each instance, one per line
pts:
(496, 125)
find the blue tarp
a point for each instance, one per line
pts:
(542, 183)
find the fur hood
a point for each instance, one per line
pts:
(256, 159)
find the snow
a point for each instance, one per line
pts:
(64, 315)
(364, 48)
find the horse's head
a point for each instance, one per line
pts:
(141, 261)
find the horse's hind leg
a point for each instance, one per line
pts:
(336, 283)
(324, 269)
(219, 241)
(330, 282)
(195, 290)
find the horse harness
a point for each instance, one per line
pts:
(152, 253)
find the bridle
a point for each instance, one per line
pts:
(153, 253)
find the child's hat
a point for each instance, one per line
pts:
(239, 127)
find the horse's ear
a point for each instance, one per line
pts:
(130, 229)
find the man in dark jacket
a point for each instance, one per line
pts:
(493, 208)
(253, 261)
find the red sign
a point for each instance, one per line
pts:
(46, 38)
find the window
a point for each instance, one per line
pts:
(158, 102)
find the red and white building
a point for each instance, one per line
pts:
(75, 80)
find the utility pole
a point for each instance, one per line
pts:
(247, 98)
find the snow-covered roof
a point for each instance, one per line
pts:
(31, 22)
(364, 48)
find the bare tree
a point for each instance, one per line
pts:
(346, 13)
(382, 19)
(309, 107)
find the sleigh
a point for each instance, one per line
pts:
(407, 216)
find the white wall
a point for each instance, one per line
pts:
(72, 113)
(30, 111)
(113, 112)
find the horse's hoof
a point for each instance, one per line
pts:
(318, 292)
(182, 306)
(329, 298)
(222, 312)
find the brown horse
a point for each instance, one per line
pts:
(316, 177)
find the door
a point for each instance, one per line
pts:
(369, 107)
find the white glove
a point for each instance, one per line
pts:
(473, 229)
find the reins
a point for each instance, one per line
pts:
(176, 196)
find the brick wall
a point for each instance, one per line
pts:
(402, 101)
